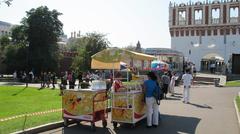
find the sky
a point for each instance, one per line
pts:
(124, 22)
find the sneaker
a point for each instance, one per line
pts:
(148, 126)
(155, 126)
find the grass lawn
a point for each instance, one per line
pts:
(238, 102)
(233, 83)
(17, 100)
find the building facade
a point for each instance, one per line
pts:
(5, 28)
(205, 32)
(174, 58)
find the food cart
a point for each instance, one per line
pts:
(127, 98)
(128, 104)
(85, 105)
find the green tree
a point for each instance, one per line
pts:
(43, 29)
(19, 35)
(7, 2)
(130, 47)
(87, 46)
(4, 41)
(15, 57)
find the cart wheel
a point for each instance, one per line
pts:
(133, 125)
(78, 123)
(104, 123)
(65, 122)
(115, 125)
(93, 126)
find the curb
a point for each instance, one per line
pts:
(41, 128)
(237, 110)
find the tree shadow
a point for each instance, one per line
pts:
(201, 106)
(15, 94)
(170, 124)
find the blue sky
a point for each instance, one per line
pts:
(123, 21)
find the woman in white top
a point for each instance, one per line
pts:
(172, 84)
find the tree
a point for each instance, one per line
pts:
(88, 45)
(15, 57)
(43, 29)
(130, 47)
(19, 35)
(7, 2)
(4, 41)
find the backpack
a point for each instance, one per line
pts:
(158, 93)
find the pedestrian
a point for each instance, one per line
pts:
(194, 71)
(42, 80)
(187, 81)
(152, 106)
(26, 77)
(165, 82)
(48, 79)
(53, 79)
(172, 84)
(15, 75)
(70, 80)
(80, 79)
(63, 84)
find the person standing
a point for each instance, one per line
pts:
(172, 84)
(152, 106)
(187, 81)
(165, 82)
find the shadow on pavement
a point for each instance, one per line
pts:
(171, 98)
(170, 124)
(201, 106)
(85, 129)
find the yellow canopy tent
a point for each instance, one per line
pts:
(110, 58)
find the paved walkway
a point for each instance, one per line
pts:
(211, 111)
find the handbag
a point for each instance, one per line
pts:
(158, 93)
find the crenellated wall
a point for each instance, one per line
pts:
(203, 28)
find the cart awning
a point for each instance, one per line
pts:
(102, 65)
(110, 55)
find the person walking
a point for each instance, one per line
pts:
(42, 80)
(165, 82)
(152, 106)
(187, 81)
(53, 79)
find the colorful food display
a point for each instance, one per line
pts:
(128, 103)
(80, 104)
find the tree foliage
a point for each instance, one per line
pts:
(15, 57)
(87, 46)
(43, 29)
(19, 35)
(7, 2)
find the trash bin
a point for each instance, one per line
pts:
(216, 82)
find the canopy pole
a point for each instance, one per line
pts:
(113, 71)
(127, 75)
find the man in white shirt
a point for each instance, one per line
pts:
(187, 81)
